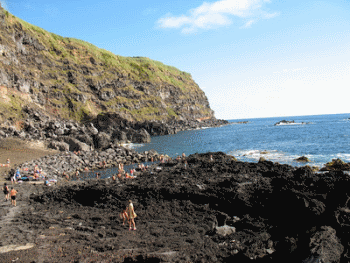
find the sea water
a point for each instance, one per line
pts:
(321, 138)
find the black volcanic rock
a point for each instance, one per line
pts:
(278, 212)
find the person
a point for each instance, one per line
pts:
(36, 176)
(8, 162)
(36, 169)
(104, 164)
(132, 172)
(124, 215)
(185, 164)
(18, 175)
(97, 175)
(6, 192)
(132, 215)
(13, 178)
(183, 155)
(13, 194)
(114, 178)
(211, 158)
(77, 174)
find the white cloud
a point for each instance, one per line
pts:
(249, 23)
(219, 13)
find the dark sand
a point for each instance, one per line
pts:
(19, 152)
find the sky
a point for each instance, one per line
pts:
(252, 58)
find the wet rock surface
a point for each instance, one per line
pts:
(270, 213)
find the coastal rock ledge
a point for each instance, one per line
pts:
(270, 212)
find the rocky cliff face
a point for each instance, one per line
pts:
(72, 79)
(45, 78)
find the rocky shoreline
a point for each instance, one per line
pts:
(201, 210)
(54, 165)
(105, 131)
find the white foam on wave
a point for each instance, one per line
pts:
(131, 145)
(275, 156)
(343, 156)
(291, 124)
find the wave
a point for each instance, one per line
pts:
(132, 145)
(277, 156)
(292, 123)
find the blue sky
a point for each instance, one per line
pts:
(252, 58)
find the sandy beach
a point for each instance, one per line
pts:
(18, 152)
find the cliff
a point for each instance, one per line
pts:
(64, 79)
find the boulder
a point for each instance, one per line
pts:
(225, 230)
(336, 164)
(102, 141)
(325, 246)
(141, 136)
(76, 145)
(120, 136)
(85, 138)
(302, 159)
(91, 128)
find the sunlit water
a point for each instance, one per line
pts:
(321, 138)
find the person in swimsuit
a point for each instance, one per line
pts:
(124, 215)
(132, 215)
(13, 194)
(8, 162)
(6, 192)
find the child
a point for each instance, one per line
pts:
(124, 215)
(131, 215)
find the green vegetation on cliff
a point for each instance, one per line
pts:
(73, 79)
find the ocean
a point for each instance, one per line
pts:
(321, 138)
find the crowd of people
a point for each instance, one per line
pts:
(35, 175)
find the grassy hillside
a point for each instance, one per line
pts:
(73, 79)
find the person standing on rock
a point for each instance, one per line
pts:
(13, 194)
(77, 174)
(132, 215)
(6, 192)
(124, 215)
